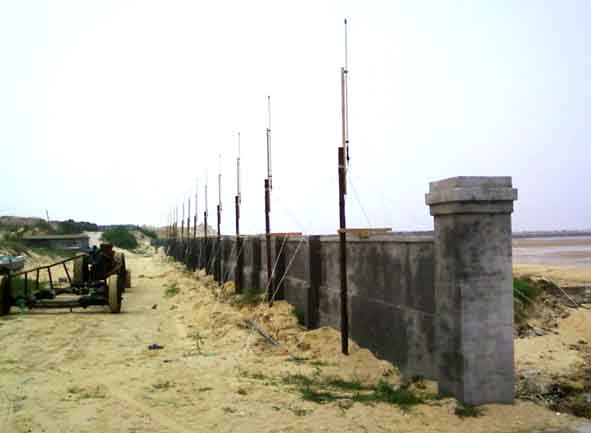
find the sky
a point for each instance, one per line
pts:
(113, 111)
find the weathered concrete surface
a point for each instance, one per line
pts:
(391, 286)
(296, 284)
(437, 306)
(473, 288)
(252, 263)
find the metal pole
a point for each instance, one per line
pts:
(205, 226)
(219, 211)
(343, 254)
(268, 240)
(342, 170)
(183, 223)
(195, 217)
(189, 218)
(238, 199)
(238, 195)
(268, 188)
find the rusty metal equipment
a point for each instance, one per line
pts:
(100, 277)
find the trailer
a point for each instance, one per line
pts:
(99, 277)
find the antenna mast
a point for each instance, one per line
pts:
(189, 217)
(218, 262)
(268, 188)
(183, 222)
(238, 194)
(176, 220)
(196, 208)
(343, 160)
(269, 173)
(205, 243)
(238, 200)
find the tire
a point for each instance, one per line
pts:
(5, 298)
(123, 277)
(127, 278)
(114, 293)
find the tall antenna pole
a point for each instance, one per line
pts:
(268, 188)
(189, 218)
(196, 209)
(176, 221)
(343, 159)
(219, 212)
(205, 225)
(183, 222)
(238, 194)
(269, 171)
(238, 200)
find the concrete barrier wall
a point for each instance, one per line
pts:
(391, 292)
(436, 306)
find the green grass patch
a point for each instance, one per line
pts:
(300, 315)
(317, 363)
(250, 297)
(171, 290)
(467, 411)
(120, 237)
(320, 397)
(401, 396)
(348, 385)
(524, 290)
(298, 380)
(327, 390)
(297, 359)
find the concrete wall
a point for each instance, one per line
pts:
(391, 292)
(439, 306)
(81, 243)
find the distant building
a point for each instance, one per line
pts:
(58, 242)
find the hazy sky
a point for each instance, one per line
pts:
(109, 110)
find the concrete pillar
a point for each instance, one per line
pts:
(474, 288)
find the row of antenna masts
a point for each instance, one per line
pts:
(343, 163)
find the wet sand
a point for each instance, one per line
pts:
(566, 260)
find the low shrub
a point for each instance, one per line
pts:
(121, 238)
(148, 232)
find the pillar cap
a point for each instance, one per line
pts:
(471, 194)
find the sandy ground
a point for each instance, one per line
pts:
(91, 371)
(562, 275)
(556, 353)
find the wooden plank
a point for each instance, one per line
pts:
(365, 233)
(285, 234)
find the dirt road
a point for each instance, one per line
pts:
(91, 371)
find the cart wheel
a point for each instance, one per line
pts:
(114, 293)
(122, 281)
(127, 278)
(127, 275)
(5, 301)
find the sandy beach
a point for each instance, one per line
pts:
(90, 371)
(566, 260)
